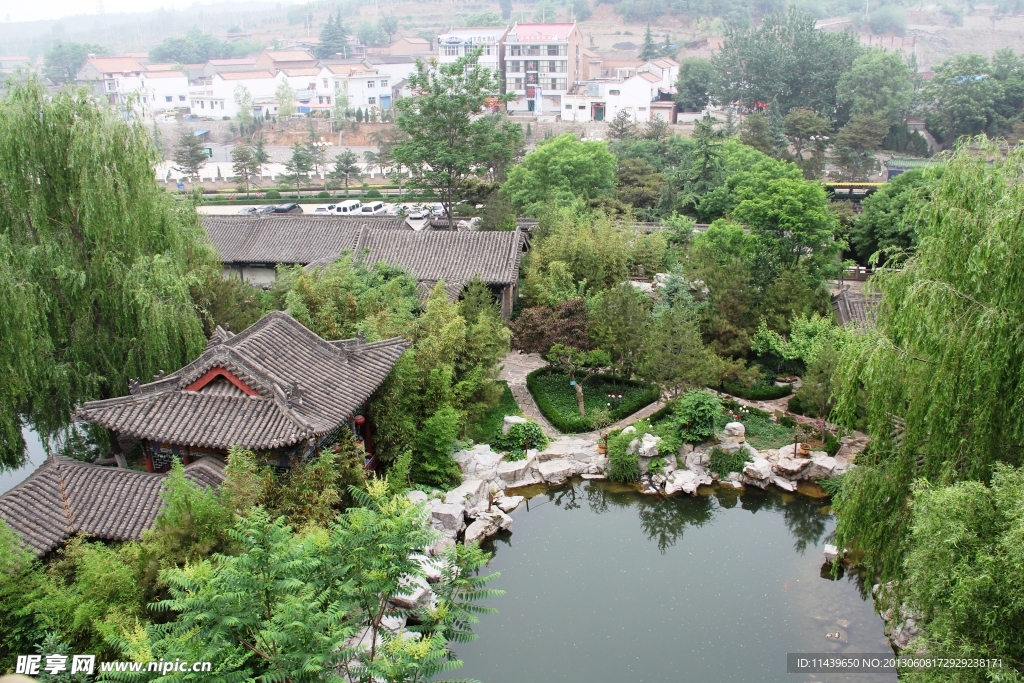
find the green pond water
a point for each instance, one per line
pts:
(605, 585)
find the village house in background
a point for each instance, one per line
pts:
(541, 62)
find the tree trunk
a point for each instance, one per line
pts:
(579, 399)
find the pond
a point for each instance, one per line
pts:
(34, 457)
(605, 585)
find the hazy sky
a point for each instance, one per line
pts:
(36, 10)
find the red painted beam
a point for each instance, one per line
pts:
(214, 373)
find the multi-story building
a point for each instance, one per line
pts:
(542, 62)
(292, 58)
(366, 83)
(459, 42)
(643, 91)
(111, 78)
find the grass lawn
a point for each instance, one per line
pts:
(557, 400)
(489, 424)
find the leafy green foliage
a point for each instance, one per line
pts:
(521, 437)
(723, 462)
(449, 141)
(557, 400)
(333, 39)
(963, 570)
(785, 62)
(623, 466)
(879, 82)
(434, 445)
(196, 47)
(485, 427)
(888, 223)
(20, 578)
(941, 364)
(559, 172)
(96, 264)
(695, 83)
(761, 391)
(63, 60)
(809, 337)
(695, 416)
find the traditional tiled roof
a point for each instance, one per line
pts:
(431, 255)
(287, 386)
(855, 307)
(243, 75)
(65, 497)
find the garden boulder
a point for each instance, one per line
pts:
(520, 472)
(735, 433)
(757, 472)
(479, 462)
(511, 420)
(470, 494)
(556, 471)
(822, 466)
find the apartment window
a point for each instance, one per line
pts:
(533, 50)
(514, 84)
(568, 106)
(613, 92)
(370, 85)
(168, 98)
(371, 101)
(202, 104)
(328, 98)
(451, 50)
(222, 104)
(583, 106)
(383, 84)
(552, 50)
(557, 83)
(556, 66)
(325, 82)
(110, 86)
(642, 108)
(181, 98)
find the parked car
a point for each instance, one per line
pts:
(250, 210)
(287, 208)
(324, 209)
(374, 208)
(348, 207)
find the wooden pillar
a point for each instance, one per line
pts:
(147, 449)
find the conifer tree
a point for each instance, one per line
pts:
(649, 50)
(189, 154)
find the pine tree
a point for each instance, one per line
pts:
(244, 167)
(649, 50)
(622, 126)
(260, 154)
(190, 153)
(299, 166)
(333, 39)
(346, 168)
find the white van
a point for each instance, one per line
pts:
(348, 207)
(373, 209)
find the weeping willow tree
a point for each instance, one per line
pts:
(96, 264)
(943, 369)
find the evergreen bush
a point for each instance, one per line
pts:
(623, 466)
(557, 400)
(521, 437)
(723, 462)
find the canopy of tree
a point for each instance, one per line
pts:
(96, 262)
(62, 61)
(196, 47)
(560, 171)
(942, 365)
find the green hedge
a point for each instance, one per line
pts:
(758, 392)
(557, 400)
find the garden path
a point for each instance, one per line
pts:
(516, 367)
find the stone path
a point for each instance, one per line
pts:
(517, 367)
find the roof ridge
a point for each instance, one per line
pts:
(63, 496)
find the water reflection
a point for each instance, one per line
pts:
(716, 587)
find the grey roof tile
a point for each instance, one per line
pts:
(65, 497)
(299, 387)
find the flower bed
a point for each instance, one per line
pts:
(557, 400)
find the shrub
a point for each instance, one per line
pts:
(723, 462)
(787, 421)
(487, 425)
(521, 437)
(832, 485)
(758, 392)
(696, 414)
(539, 328)
(656, 466)
(832, 443)
(373, 193)
(557, 400)
(323, 194)
(623, 466)
(432, 462)
(273, 194)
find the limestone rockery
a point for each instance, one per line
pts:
(478, 509)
